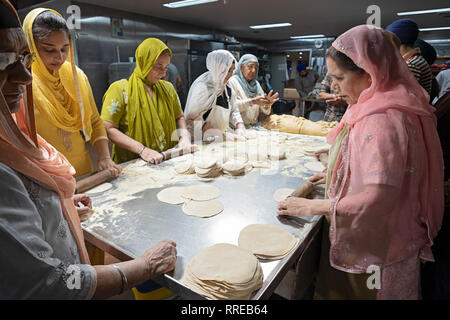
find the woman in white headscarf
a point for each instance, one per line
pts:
(250, 97)
(211, 105)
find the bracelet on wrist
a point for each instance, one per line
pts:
(104, 158)
(123, 277)
(142, 150)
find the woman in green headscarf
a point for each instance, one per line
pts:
(143, 115)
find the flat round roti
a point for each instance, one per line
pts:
(314, 166)
(224, 262)
(201, 192)
(171, 195)
(202, 209)
(282, 193)
(266, 240)
(99, 189)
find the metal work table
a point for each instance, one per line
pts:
(130, 219)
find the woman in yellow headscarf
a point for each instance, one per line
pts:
(143, 115)
(66, 114)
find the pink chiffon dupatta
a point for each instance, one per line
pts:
(387, 183)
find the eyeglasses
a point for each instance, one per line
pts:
(9, 58)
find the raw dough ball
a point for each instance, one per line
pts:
(171, 195)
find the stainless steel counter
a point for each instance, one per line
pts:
(129, 218)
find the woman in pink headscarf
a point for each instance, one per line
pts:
(384, 182)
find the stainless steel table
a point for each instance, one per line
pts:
(129, 218)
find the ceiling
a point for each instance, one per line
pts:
(328, 17)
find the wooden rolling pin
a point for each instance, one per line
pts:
(303, 190)
(94, 180)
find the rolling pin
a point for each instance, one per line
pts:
(303, 190)
(177, 152)
(94, 180)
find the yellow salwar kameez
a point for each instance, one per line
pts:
(66, 114)
(149, 120)
(127, 104)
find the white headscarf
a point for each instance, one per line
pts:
(208, 86)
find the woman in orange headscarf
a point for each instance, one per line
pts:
(43, 255)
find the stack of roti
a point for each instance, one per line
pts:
(207, 167)
(200, 201)
(224, 272)
(266, 241)
(185, 168)
(234, 167)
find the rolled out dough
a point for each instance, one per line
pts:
(282, 193)
(201, 192)
(202, 209)
(171, 195)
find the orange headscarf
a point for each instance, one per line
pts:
(42, 163)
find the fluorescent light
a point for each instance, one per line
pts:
(275, 25)
(185, 3)
(437, 41)
(434, 29)
(310, 36)
(423, 11)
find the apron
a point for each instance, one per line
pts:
(219, 117)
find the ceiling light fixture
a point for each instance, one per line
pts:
(308, 37)
(185, 3)
(406, 13)
(274, 25)
(434, 29)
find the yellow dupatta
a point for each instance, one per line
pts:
(150, 122)
(63, 96)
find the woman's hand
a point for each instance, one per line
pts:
(335, 99)
(242, 133)
(184, 143)
(160, 259)
(260, 101)
(298, 207)
(319, 152)
(151, 156)
(108, 164)
(86, 203)
(301, 207)
(272, 98)
(318, 178)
